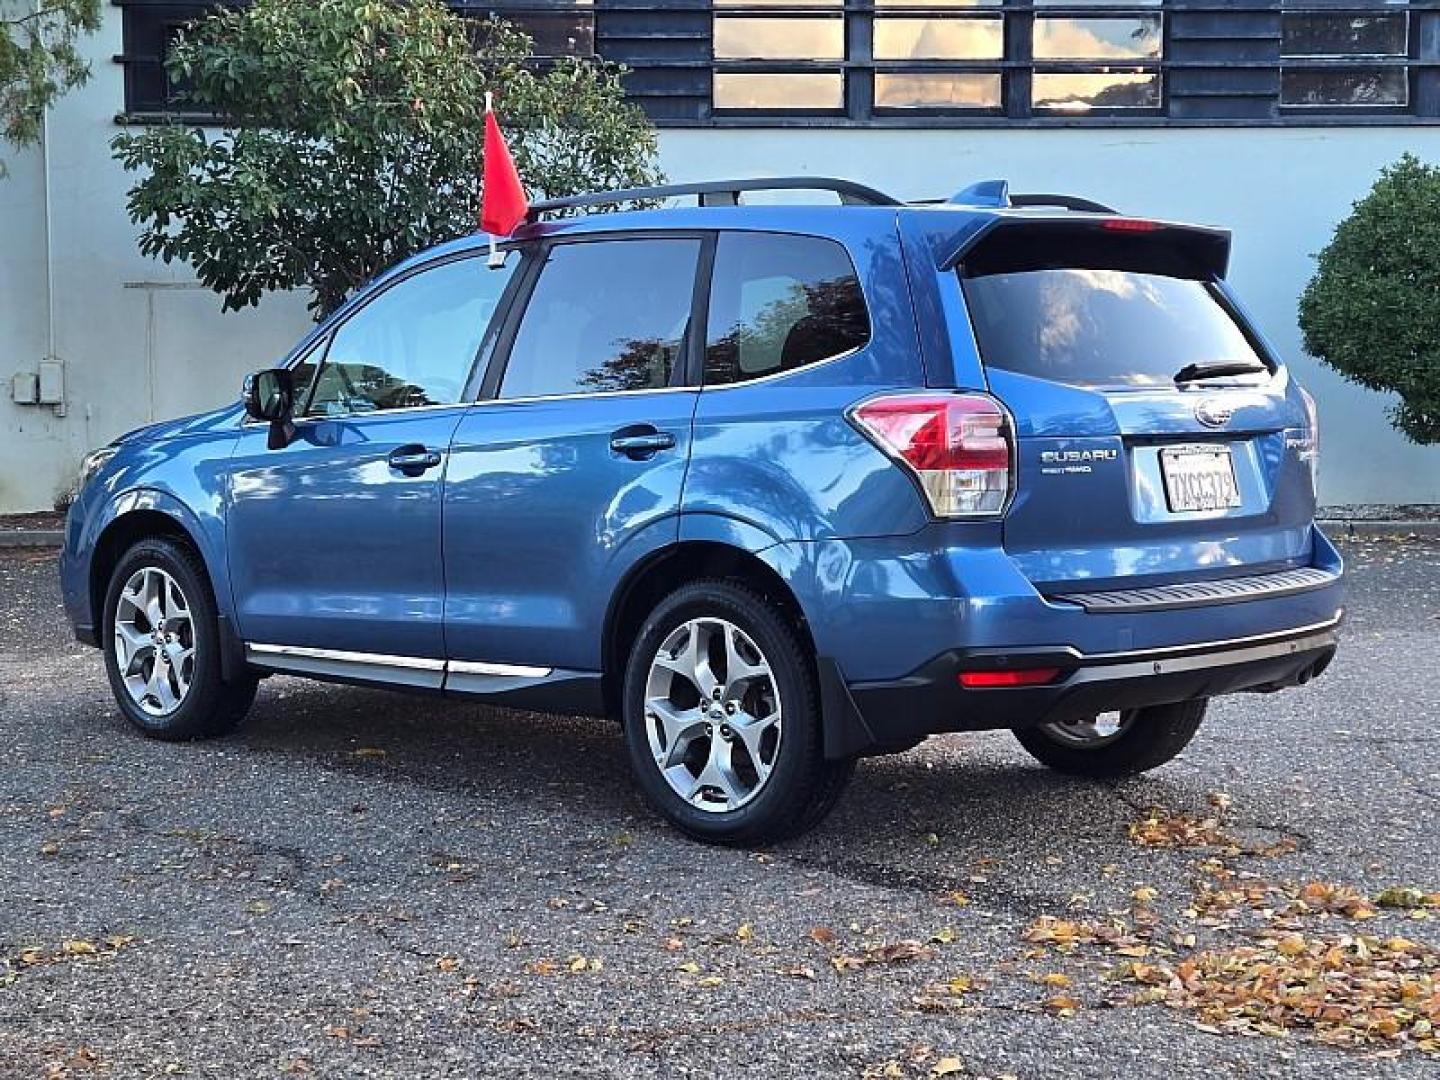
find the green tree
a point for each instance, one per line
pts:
(1372, 311)
(353, 136)
(39, 60)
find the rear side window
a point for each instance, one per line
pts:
(1103, 327)
(780, 302)
(605, 315)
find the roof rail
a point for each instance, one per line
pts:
(996, 193)
(1065, 202)
(720, 193)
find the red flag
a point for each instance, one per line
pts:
(503, 204)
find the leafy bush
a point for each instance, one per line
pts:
(1372, 311)
(39, 60)
(353, 137)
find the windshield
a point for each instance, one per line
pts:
(1104, 327)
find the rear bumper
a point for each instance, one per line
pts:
(897, 713)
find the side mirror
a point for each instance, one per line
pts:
(270, 396)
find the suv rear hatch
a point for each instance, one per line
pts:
(1158, 442)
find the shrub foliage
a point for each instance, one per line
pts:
(1372, 311)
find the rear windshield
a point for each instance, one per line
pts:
(1103, 327)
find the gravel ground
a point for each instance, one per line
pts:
(362, 884)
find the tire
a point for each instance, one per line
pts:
(799, 788)
(208, 705)
(1148, 738)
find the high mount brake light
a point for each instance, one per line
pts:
(959, 446)
(1130, 225)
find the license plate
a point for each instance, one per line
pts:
(1199, 478)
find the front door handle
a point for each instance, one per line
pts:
(641, 442)
(414, 459)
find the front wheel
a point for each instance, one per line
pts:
(1115, 744)
(722, 718)
(162, 646)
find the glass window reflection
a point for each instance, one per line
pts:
(939, 39)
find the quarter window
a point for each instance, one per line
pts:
(604, 316)
(414, 344)
(778, 303)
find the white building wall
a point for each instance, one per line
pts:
(140, 341)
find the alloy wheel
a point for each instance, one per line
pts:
(713, 715)
(154, 641)
(1092, 731)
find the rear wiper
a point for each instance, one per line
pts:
(1196, 372)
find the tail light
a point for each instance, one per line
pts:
(1310, 453)
(959, 446)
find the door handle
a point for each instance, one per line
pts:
(641, 444)
(414, 460)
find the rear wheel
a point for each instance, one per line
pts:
(1115, 744)
(722, 718)
(162, 646)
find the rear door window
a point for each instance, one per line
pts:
(604, 316)
(1103, 327)
(779, 302)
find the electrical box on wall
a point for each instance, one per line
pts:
(25, 388)
(52, 382)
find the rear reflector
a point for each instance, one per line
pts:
(976, 680)
(957, 445)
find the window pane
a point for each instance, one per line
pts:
(781, 3)
(1102, 327)
(934, 4)
(412, 345)
(939, 39)
(604, 316)
(778, 303)
(937, 91)
(1097, 3)
(779, 39)
(752, 90)
(1082, 90)
(1343, 35)
(1096, 39)
(1343, 86)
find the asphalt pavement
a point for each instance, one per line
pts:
(368, 884)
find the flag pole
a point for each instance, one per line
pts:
(497, 260)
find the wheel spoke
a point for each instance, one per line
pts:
(739, 672)
(751, 732)
(680, 727)
(131, 645)
(159, 686)
(719, 773)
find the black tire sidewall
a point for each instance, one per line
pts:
(191, 719)
(798, 762)
(1157, 734)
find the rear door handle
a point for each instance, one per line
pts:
(642, 443)
(414, 459)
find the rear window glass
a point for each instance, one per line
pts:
(1103, 327)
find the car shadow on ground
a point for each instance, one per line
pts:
(973, 793)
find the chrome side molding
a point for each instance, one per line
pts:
(416, 671)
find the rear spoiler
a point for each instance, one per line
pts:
(1008, 243)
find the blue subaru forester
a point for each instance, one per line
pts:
(776, 486)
